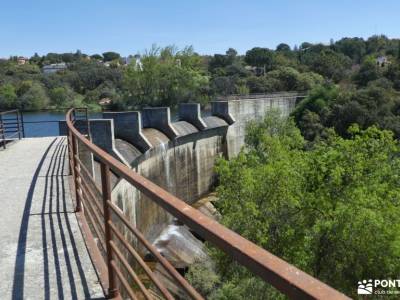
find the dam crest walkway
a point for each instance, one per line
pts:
(42, 251)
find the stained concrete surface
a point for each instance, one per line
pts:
(42, 251)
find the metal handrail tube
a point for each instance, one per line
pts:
(144, 266)
(92, 196)
(92, 210)
(98, 232)
(76, 175)
(282, 275)
(8, 112)
(131, 272)
(106, 192)
(89, 176)
(167, 266)
(123, 280)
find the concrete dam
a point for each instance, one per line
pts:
(178, 156)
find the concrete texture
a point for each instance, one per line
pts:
(81, 125)
(159, 118)
(245, 110)
(184, 128)
(128, 126)
(102, 135)
(184, 167)
(221, 109)
(155, 136)
(42, 252)
(184, 164)
(191, 113)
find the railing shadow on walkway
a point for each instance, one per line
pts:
(54, 222)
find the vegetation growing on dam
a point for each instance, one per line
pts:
(330, 207)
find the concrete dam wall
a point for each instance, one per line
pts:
(178, 156)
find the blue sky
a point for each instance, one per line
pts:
(129, 26)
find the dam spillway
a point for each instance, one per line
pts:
(178, 156)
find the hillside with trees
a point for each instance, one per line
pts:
(352, 80)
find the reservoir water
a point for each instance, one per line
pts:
(38, 124)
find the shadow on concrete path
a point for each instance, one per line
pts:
(56, 231)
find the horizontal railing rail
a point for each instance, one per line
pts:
(101, 221)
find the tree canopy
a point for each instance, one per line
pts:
(365, 71)
(331, 209)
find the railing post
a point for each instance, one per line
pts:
(106, 191)
(18, 124)
(22, 124)
(76, 174)
(3, 131)
(70, 155)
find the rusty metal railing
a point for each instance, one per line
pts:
(11, 126)
(101, 220)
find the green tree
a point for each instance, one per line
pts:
(110, 56)
(96, 57)
(325, 210)
(62, 96)
(355, 48)
(220, 61)
(8, 96)
(282, 47)
(34, 98)
(330, 64)
(318, 100)
(260, 57)
(164, 81)
(376, 44)
(289, 79)
(369, 71)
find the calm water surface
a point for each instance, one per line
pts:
(37, 124)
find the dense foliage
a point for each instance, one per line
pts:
(83, 83)
(167, 77)
(332, 209)
(366, 72)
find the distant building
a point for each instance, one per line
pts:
(113, 63)
(138, 63)
(22, 60)
(255, 70)
(54, 68)
(127, 60)
(382, 61)
(105, 101)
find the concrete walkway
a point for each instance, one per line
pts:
(42, 252)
